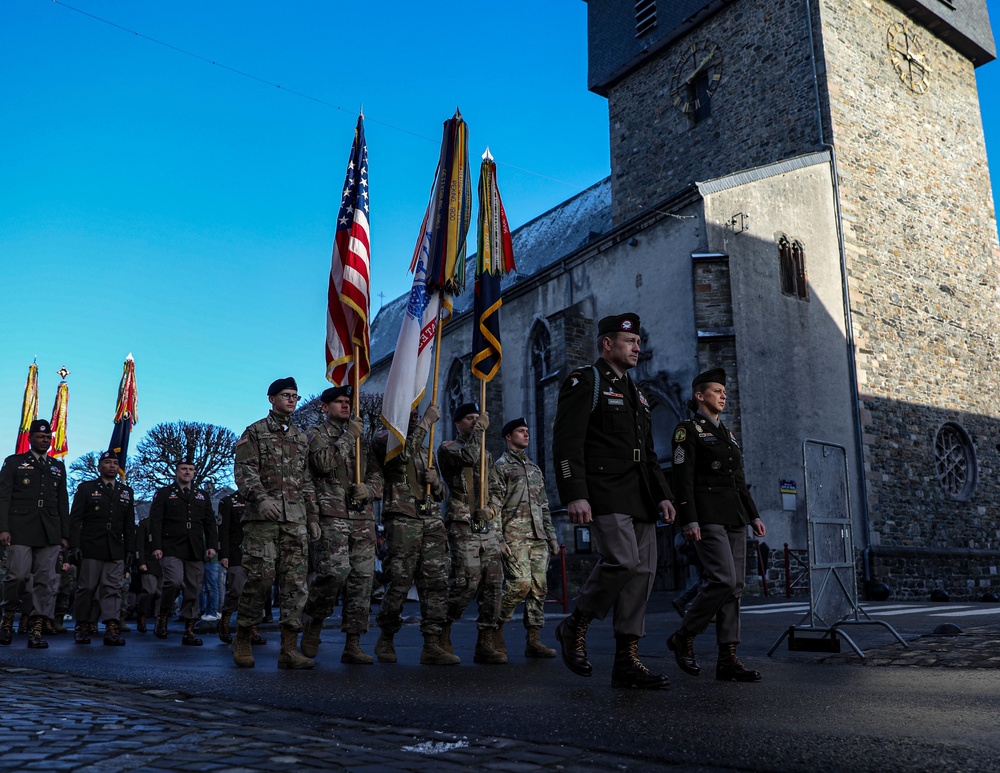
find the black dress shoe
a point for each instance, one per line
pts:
(572, 636)
(683, 649)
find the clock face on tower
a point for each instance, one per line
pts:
(908, 57)
(696, 76)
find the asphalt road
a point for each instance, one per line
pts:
(810, 712)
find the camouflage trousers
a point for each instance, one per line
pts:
(476, 573)
(345, 561)
(236, 578)
(67, 589)
(418, 550)
(525, 570)
(272, 551)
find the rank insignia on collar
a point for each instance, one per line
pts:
(680, 435)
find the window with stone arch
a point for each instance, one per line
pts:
(792, 264)
(955, 462)
(453, 397)
(539, 368)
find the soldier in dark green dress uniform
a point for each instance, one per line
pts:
(34, 526)
(714, 508)
(102, 528)
(608, 476)
(184, 531)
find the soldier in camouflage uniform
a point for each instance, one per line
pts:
(418, 544)
(473, 535)
(65, 594)
(345, 540)
(273, 477)
(517, 486)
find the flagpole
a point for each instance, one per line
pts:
(357, 413)
(434, 393)
(482, 449)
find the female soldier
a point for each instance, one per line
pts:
(713, 508)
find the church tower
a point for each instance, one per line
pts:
(854, 222)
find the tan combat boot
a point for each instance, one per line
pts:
(290, 657)
(535, 647)
(311, 638)
(433, 654)
(446, 638)
(255, 638)
(58, 626)
(122, 626)
(242, 653)
(353, 654)
(498, 643)
(486, 651)
(385, 649)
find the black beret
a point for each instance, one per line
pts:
(620, 323)
(108, 455)
(464, 410)
(185, 460)
(280, 385)
(39, 425)
(510, 426)
(331, 394)
(711, 376)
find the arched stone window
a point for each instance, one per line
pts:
(955, 462)
(792, 262)
(539, 367)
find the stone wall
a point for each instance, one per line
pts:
(922, 255)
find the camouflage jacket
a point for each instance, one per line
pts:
(458, 461)
(518, 489)
(272, 462)
(403, 472)
(331, 456)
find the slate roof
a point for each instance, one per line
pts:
(537, 244)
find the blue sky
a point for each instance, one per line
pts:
(154, 203)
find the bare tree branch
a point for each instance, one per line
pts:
(210, 448)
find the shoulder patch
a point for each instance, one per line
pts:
(680, 435)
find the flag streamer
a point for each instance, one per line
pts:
(125, 415)
(29, 408)
(60, 447)
(349, 292)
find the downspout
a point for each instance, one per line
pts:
(848, 325)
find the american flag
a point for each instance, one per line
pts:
(348, 297)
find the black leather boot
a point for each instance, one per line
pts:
(189, 639)
(160, 631)
(35, 640)
(682, 645)
(729, 668)
(629, 671)
(572, 636)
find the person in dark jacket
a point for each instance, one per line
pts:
(608, 476)
(34, 527)
(102, 529)
(714, 508)
(150, 576)
(184, 531)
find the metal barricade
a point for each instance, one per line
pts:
(833, 591)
